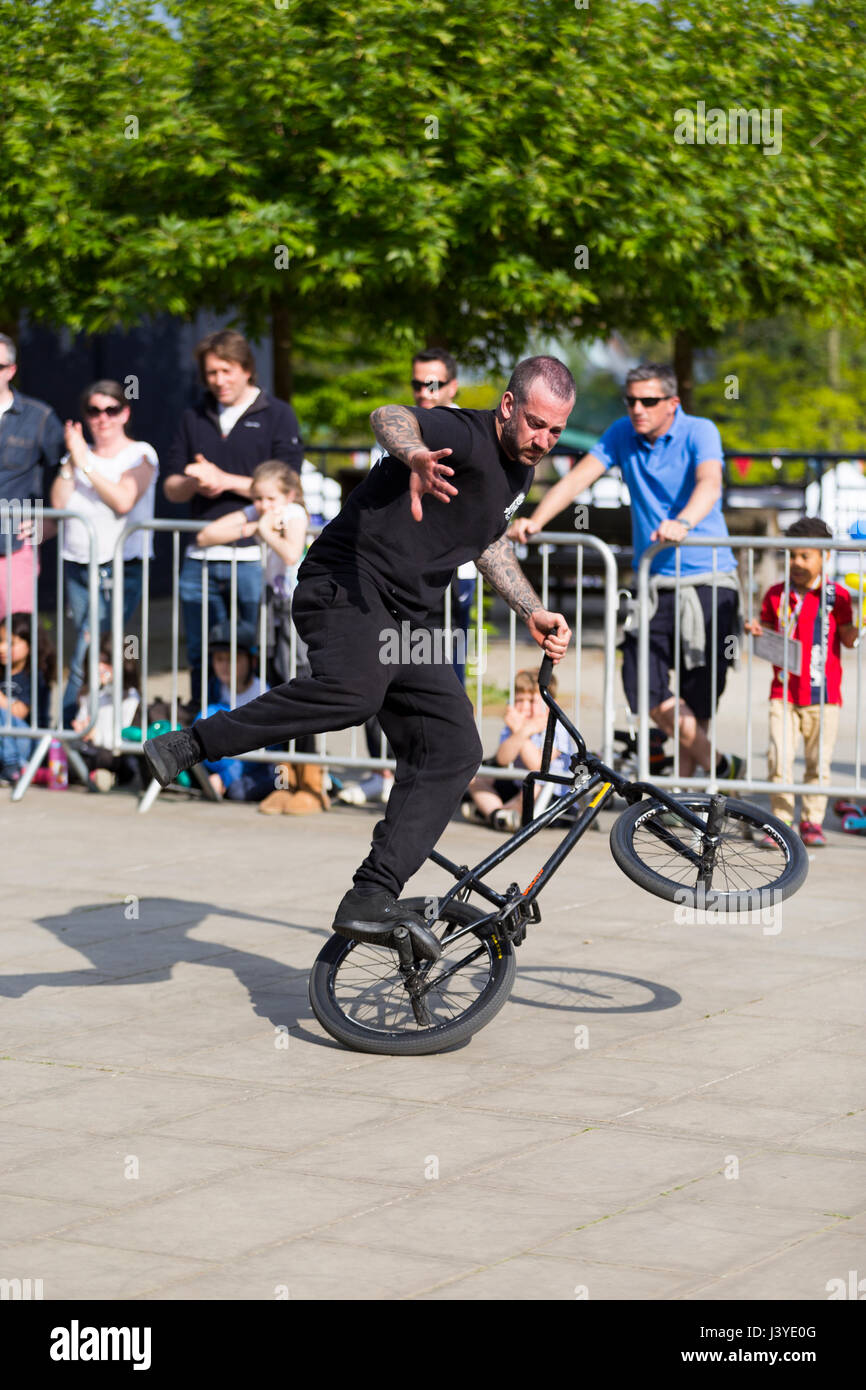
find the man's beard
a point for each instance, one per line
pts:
(511, 445)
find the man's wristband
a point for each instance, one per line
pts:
(684, 522)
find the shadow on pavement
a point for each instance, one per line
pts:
(157, 940)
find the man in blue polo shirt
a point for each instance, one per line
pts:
(672, 465)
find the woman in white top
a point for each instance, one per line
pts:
(110, 483)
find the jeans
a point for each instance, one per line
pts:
(78, 607)
(14, 752)
(218, 603)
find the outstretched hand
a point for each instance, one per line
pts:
(551, 632)
(428, 476)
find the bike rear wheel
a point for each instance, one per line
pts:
(358, 994)
(759, 860)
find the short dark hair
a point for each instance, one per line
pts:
(555, 375)
(435, 354)
(810, 526)
(231, 346)
(106, 387)
(662, 372)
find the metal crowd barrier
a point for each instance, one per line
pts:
(334, 757)
(750, 782)
(33, 731)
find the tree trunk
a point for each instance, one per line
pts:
(684, 367)
(282, 342)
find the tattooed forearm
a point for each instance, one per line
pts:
(397, 430)
(499, 565)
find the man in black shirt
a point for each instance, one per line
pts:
(444, 493)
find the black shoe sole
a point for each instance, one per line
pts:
(160, 770)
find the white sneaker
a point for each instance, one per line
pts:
(352, 794)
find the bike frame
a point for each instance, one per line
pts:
(515, 907)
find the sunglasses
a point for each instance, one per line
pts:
(432, 383)
(648, 401)
(93, 410)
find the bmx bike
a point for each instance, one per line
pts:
(701, 851)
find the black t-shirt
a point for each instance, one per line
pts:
(376, 539)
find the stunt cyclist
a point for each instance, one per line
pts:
(385, 561)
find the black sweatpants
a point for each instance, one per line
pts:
(423, 709)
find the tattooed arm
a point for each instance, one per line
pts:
(397, 430)
(499, 566)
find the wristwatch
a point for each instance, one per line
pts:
(683, 522)
(87, 468)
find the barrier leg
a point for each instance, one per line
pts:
(149, 797)
(30, 767)
(78, 765)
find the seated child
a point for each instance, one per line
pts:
(277, 514)
(498, 801)
(797, 711)
(230, 777)
(95, 747)
(18, 700)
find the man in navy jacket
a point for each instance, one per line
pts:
(220, 442)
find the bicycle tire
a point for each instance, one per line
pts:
(776, 871)
(380, 992)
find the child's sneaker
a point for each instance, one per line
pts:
(730, 767)
(811, 834)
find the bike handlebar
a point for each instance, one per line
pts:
(545, 673)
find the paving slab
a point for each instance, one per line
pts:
(153, 1006)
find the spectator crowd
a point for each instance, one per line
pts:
(237, 461)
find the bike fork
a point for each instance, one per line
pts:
(711, 841)
(413, 979)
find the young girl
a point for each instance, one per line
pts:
(95, 747)
(230, 777)
(20, 706)
(498, 801)
(276, 515)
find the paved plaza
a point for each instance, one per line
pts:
(661, 1111)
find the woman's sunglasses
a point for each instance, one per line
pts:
(92, 411)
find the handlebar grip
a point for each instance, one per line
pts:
(545, 673)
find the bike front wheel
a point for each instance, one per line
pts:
(359, 996)
(758, 860)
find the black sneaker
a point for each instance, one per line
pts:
(372, 917)
(172, 753)
(730, 767)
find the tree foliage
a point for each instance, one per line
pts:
(384, 173)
